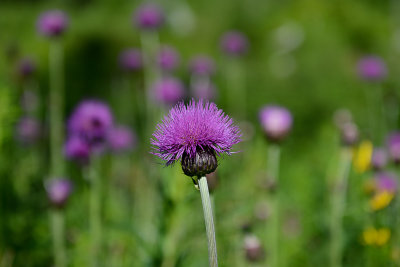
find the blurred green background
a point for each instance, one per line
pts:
(302, 55)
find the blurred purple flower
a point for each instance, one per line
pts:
(253, 248)
(91, 120)
(52, 23)
(202, 65)
(168, 58)
(149, 16)
(386, 182)
(121, 138)
(234, 43)
(372, 68)
(204, 90)
(77, 149)
(379, 159)
(349, 134)
(26, 67)
(188, 129)
(28, 130)
(58, 191)
(131, 60)
(393, 145)
(168, 90)
(276, 122)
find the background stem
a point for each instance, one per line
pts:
(57, 219)
(95, 214)
(208, 218)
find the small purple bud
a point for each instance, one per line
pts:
(52, 23)
(149, 17)
(202, 65)
(26, 67)
(168, 90)
(28, 130)
(349, 134)
(131, 60)
(276, 122)
(393, 144)
(234, 43)
(204, 90)
(168, 59)
(372, 68)
(386, 182)
(253, 248)
(77, 149)
(58, 191)
(121, 139)
(379, 159)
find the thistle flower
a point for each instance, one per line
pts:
(28, 130)
(349, 134)
(234, 43)
(168, 58)
(202, 65)
(379, 159)
(276, 122)
(386, 182)
(121, 138)
(372, 68)
(91, 120)
(52, 23)
(195, 134)
(77, 149)
(393, 145)
(253, 248)
(168, 90)
(149, 17)
(131, 60)
(26, 67)
(58, 191)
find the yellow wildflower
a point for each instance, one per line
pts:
(382, 237)
(377, 237)
(369, 236)
(363, 156)
(381, 200)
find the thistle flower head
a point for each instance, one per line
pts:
(349, 134)
(91, 120)
(234, 43)
(58, 191)
(202, 65)
(379, 158)
(372, 68)
(168, 58)
(52, 23)
(386, 182)
(253, 248)
(121, 138)
(193, 133)
(28, 130)
(149, 17)
(130, 60)
(26, 67)
(276, 122)
(168, 90)
(77, 149)
(393, 145)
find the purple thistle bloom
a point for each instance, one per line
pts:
(121, 138)
(28, 130)
(393, 144)
(168, 90)
(372, 68)
(234, 43)
(379, 159)
(253, 248)
(204, 90)
(131, 60)
(26, 67)
(77, 149)
(168, 59)
(91, 120)
(190, 129)
(202, 65)
(149, 17)
(276, 122)
(52, 23)
(58, 191)
(386, 182)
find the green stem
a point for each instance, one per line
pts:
(57, 219)
(208, 218)
(56, 107)
(95, 214)
(273, 173)
(338, 208)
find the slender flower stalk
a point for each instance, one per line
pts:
(58, 233)
(338, 203)
(208, 218)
